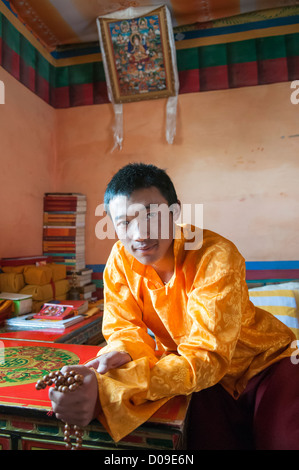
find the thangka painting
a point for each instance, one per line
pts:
(138, 57)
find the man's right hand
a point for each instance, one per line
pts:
(111, 360)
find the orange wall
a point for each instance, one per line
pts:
(234, 152)
(27, 155)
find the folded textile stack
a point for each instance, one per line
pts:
(12, 269)
(64, 229)
(11, 282)
(43, 283)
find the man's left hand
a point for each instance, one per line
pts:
(79, 407)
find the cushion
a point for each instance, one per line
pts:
(282, 300)
(38, 275)
(11, 282)
(58, 271)
(13, 269)
(45, 293)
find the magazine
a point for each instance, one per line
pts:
(55, 312)
(28, 322)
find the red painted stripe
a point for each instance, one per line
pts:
(189, 81)
(22, 425)
(214, 78)
(133, 438)
(100, 93)
(43, 89)
(81, 95)
(60, 97)
(293, 68)
(97, 276)
(272, 274)
(241, 75)
(27, 75)
(273, 70)
(10, 61)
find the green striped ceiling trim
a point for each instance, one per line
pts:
(250, 50)
(60, 86)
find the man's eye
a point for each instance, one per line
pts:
(150, 215)
(123, 223)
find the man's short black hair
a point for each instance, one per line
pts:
(137, 176)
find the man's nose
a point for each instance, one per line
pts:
(138, 229)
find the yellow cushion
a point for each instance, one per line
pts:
(13, 269)
(279, 301)
(38, 275)
(11, 282)
(45, 293)
(58, 271)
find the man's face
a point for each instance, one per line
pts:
(144, 224)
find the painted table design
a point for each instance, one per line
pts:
(26, 364)
(22, 363)
(24, 412)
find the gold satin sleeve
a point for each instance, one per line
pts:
(123, 326)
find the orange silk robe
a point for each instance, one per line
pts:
(207, 331)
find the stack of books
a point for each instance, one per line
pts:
(28, 322)
(54, 315)
(82, 281)
(64, 229)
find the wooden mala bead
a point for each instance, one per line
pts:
(65, 382)
(73, 431)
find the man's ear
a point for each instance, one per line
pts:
(176, 210)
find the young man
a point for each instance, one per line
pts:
(210, 341)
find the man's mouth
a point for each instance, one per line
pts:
(144, 248)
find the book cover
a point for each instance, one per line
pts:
(87, 288)
(63, 231)
(79, 238)
(80, 282)
(64, 207)
(79, 306)
(85, 271)
(54, 312)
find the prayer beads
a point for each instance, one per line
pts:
(65, 382)
(77, 432)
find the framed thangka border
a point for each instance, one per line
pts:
(138, 56)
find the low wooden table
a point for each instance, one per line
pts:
(25, 423)
(87, 331)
